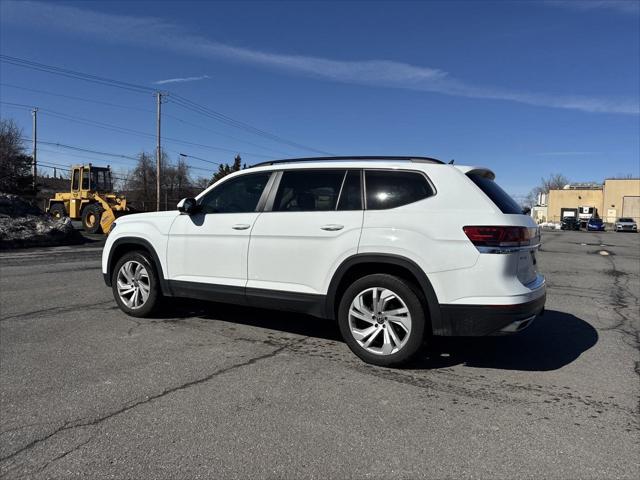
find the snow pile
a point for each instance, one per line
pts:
(23, 225)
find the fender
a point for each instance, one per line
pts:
(164, 284)
(425, 285)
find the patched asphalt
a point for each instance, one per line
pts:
(206, 390)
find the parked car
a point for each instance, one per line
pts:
(396, 249)
(626, 224)
(595, 224)
(570, 223)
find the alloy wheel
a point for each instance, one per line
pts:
(134, 285)
(379, 320)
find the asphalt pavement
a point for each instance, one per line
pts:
(212, 391)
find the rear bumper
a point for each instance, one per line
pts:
(481, 320)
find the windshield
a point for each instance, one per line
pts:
(626, 220)
(597, 221)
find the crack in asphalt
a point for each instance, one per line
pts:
(70, 425)
(58, 309)
(60, 457)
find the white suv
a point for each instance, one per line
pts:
(395, 248)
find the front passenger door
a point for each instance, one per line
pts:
(210, 247)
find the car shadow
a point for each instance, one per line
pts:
(554, 339)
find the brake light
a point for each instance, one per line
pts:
(500, 236)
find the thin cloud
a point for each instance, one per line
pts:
(156, 33)
(181, 80)
(629, 7)
(567, 154)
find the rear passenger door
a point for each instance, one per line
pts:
(309, 226)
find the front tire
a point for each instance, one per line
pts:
(57, 211)
(382, 320)
(91, 218)
(135, 284)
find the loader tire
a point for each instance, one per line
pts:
(91, 218)
(57, 210)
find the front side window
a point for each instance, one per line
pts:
(351, 194)
(238, 195)
(308, 190)
(391, 189)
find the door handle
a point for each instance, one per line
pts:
(333, 227)
(241, 226)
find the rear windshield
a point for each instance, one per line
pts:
(503, 201)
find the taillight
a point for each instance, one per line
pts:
(501, 236)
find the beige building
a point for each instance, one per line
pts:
(616, 198)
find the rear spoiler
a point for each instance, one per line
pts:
(483, 172)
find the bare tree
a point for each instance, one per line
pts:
(15, 165)
(554, 181)
(140, 183)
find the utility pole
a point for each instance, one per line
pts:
(158, 150)
(34, 164)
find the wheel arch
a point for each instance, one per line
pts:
(129, 244)
(359, 265)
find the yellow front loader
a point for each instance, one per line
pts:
(90, 199)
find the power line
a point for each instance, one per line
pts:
(73, 97)
(19, 62)
(189, 105)
(130, 131)
(128, 107)
(18, 105)
(198, 158)
(179, 100)
(115, 155)
(279, 152)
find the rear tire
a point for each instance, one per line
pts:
(382, 320)
(57, 210)
(91, 218)
(135, 284)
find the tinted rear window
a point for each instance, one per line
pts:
(503, 201)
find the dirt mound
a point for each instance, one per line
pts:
(23, 225)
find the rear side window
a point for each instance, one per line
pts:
(390, 189)
(491, 189)
(308, 190)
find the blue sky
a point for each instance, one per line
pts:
(525, 88)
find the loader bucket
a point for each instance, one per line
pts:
(107, 220)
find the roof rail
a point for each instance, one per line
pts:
(354, 158)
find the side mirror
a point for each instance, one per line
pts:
(188, 206)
